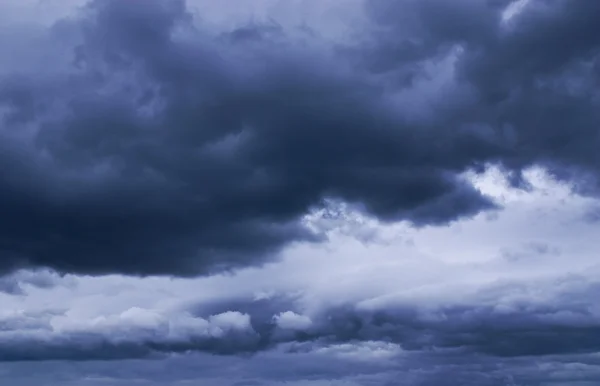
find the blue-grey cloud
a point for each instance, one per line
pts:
(15, 282)
(499, 321)
(160, 147)
(164, 148)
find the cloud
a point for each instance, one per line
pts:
(164, 148)
(481, 302)
(17, 282)
(154, 144)
(292, 321)
(516, 318)
(133, 333)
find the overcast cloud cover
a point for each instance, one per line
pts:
(299, 192)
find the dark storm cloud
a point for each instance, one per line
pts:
(168, 149)
(525, 91)
(529, 85)
(540, 80)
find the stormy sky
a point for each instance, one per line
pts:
(299, 192)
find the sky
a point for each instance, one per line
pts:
(299, 192)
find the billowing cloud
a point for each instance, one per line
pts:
(133, 333)
(155, 145)
(163, 139)
(504, 320)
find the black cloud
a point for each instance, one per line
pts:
(167, 149)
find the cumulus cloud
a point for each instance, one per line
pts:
(168, 140)
(292, 321)
(133, 333)
(154, 144)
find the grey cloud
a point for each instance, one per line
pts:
(10, 285)
(502, 321)
(526, 89)
(540, 78)
(505, 320)
(314, 368)
(16, 283)
(530, 251)
(169, 149)
(135, 333)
